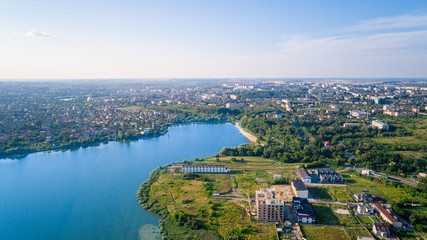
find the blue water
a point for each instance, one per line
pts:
(90, 193)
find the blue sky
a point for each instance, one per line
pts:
(206, 39)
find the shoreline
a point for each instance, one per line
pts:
(96, 143)
(248, 135)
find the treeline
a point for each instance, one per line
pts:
(280, 140)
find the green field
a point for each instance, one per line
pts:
(357, 184)
(407, 235)
(332, 193)
(253, 163)
(412, 154)
(416, 125)
(316, 232)
(325, 214)
(172, 193)
(222, 182)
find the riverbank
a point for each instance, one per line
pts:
(20, 153)
(188, 209)
(248, 135)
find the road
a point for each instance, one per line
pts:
(395, 179)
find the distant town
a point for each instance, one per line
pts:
(328, 159)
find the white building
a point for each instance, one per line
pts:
(303, 174)
(388, 108)
(380, 124)
(205, 168)
(364, 209)
(234, 105)
(359, 114)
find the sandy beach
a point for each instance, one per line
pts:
(251, 137)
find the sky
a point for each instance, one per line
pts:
(89, 39)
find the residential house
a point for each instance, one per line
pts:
(363, 196)
(381, 230)
(305, 213)
(364, 209)
(329, 176)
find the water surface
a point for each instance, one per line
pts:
(90, 193)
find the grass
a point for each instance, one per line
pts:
(253, 163)
(357, 184)
(332, 193)
(321, 193)
(316, 232)
(412, 154)
(407, 235)
(223, 182)
(171, 193)
(410, 140)
(325, 214)
(365, 219)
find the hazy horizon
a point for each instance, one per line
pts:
(222, 39)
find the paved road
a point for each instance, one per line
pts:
(396, 179)
(259, 169)
(324, 184)
(310, 200)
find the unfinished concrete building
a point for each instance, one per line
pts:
(269, 208)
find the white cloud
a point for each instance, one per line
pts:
(403, 21)
(34, 34)
(396, 41)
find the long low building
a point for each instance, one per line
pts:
(205, 168)
(387, 216)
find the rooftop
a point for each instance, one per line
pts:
(386, 212)
(268, 197)
(305, 207)
(299, 185)
(302, 172)
(203, 165)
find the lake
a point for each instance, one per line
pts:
(90, 193)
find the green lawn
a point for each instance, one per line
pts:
(407, 235)
(332, 193)
(357, 184)
(223, 182)
(252, 163)
(325, 214)
(315, 232)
